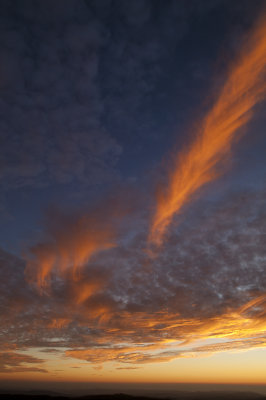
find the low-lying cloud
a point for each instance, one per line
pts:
(207, 282)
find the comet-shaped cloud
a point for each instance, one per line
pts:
(198, 164)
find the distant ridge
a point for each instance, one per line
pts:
(212, 395)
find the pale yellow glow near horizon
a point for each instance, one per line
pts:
(242, 367)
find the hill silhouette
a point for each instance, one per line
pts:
(42, 395)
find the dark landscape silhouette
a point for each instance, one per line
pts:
(213, 395)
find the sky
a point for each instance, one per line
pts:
(132, 193)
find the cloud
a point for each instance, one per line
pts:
(72, 238)
(52, 129)
(207, 282)
(89, 93)
(121, 354)
(73, 241)
(107, 299)
(204, 159)
(53, 351)
(232, 325)
(12, 362)
(235, 346)
(69, 102)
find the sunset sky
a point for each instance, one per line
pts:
(133, 187)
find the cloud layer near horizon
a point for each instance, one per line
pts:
(207, 282)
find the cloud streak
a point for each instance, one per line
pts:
(12, 362)
(72, 238)
(71, 246)
(205, 158)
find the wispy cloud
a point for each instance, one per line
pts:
(71, 239)
(205, 158)
(12, 362)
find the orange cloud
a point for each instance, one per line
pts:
(163, 336)
(72, 239)
(201, 162)
(12, 362)
(86, 290)
(234, 345)
(58, 323)
(122, 354)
